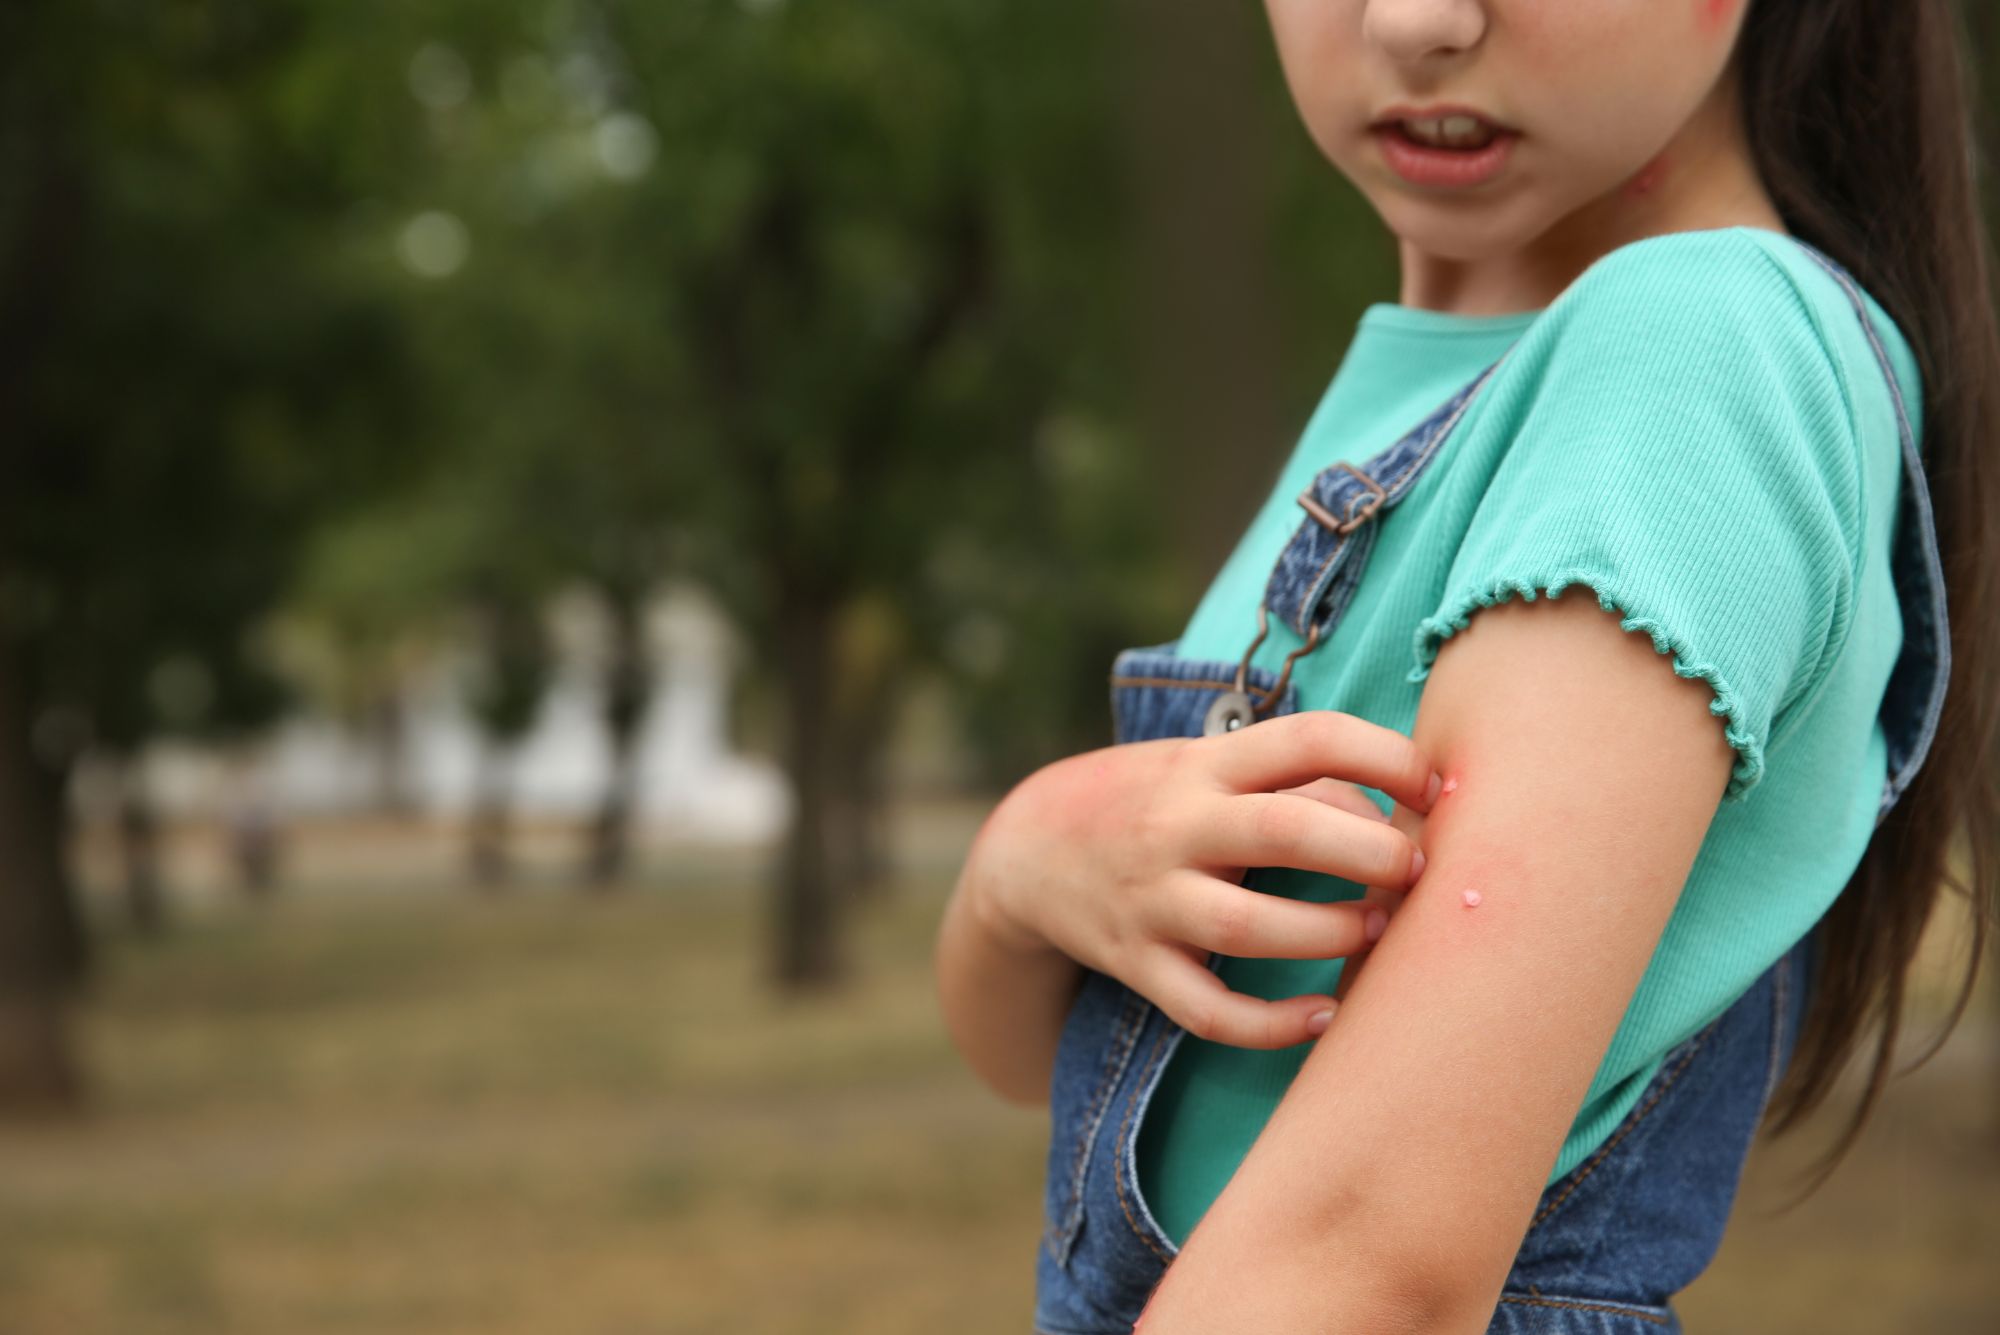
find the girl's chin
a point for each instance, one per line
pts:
(1463, 235)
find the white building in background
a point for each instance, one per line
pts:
(689, 780)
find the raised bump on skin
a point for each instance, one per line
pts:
(1714, 14)
(1647, 179)
(1472, 899)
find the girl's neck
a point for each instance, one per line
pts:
(1704, 178)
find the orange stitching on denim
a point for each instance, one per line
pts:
(1193, 683)
(1096, 1109)
(1638, 1116)
(1124, 1033)
(1088, 1129)
(1589, 1307)
(1117, 1176)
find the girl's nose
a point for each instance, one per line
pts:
(1419, 31)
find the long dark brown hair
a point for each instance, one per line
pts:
(1861, 115)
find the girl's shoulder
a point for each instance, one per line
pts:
(1679, 432)
(1742, 306)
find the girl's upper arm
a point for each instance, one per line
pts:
(1660, 562)
(1418, 1137)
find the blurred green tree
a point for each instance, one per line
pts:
(194, 366)
(415, 315)
(872, 218)
(810, 302)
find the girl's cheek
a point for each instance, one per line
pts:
(1714, 15)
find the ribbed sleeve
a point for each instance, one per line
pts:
(1683, 446)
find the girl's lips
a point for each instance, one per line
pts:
(1421, 164)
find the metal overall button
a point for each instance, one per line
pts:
(1235, 708)
(1231, 710)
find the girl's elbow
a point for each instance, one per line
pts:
(1020, 1084)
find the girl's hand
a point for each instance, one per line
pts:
(1129, 860)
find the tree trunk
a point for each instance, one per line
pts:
(490, 828)
(386, 732)
(139, 846)
(857, 831)
(806, 951)
(255, 853)
(254, 849)
(43, 955)
(869, 868)
(39, 1077)
(627, 688)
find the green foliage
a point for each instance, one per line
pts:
(768, 294)
(195, 368)
(387, 311)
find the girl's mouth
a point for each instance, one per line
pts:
(1447, 148)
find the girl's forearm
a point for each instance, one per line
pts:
(1004, 999)
(1271, 1277)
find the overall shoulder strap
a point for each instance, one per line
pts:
(1315, 576)
(1915, 696)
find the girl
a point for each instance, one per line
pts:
(1654, 513)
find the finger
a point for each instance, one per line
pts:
(1342, 794)
(1249, 924)
(1199, 1002)
(1382, 901)
(1282, 830)
(1320, 743)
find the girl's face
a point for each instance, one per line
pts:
(1594, 109)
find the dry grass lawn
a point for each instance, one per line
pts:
(410, 1110)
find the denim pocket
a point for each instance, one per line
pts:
(1643, 1215)
(1154, 694)
(1672, 1067)
(1092, 1055)
(1791, 994)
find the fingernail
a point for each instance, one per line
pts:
(1378, 922)
(1436, 786)
(1417, 866)
(1319, 1021)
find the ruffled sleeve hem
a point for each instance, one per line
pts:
(1457, 612)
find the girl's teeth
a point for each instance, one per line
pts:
(1450, 131)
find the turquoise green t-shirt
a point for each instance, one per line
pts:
(1696, 430)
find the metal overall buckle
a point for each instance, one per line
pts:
(1355, 518)
(1234, 708)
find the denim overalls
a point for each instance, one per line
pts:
(1613, 1240)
